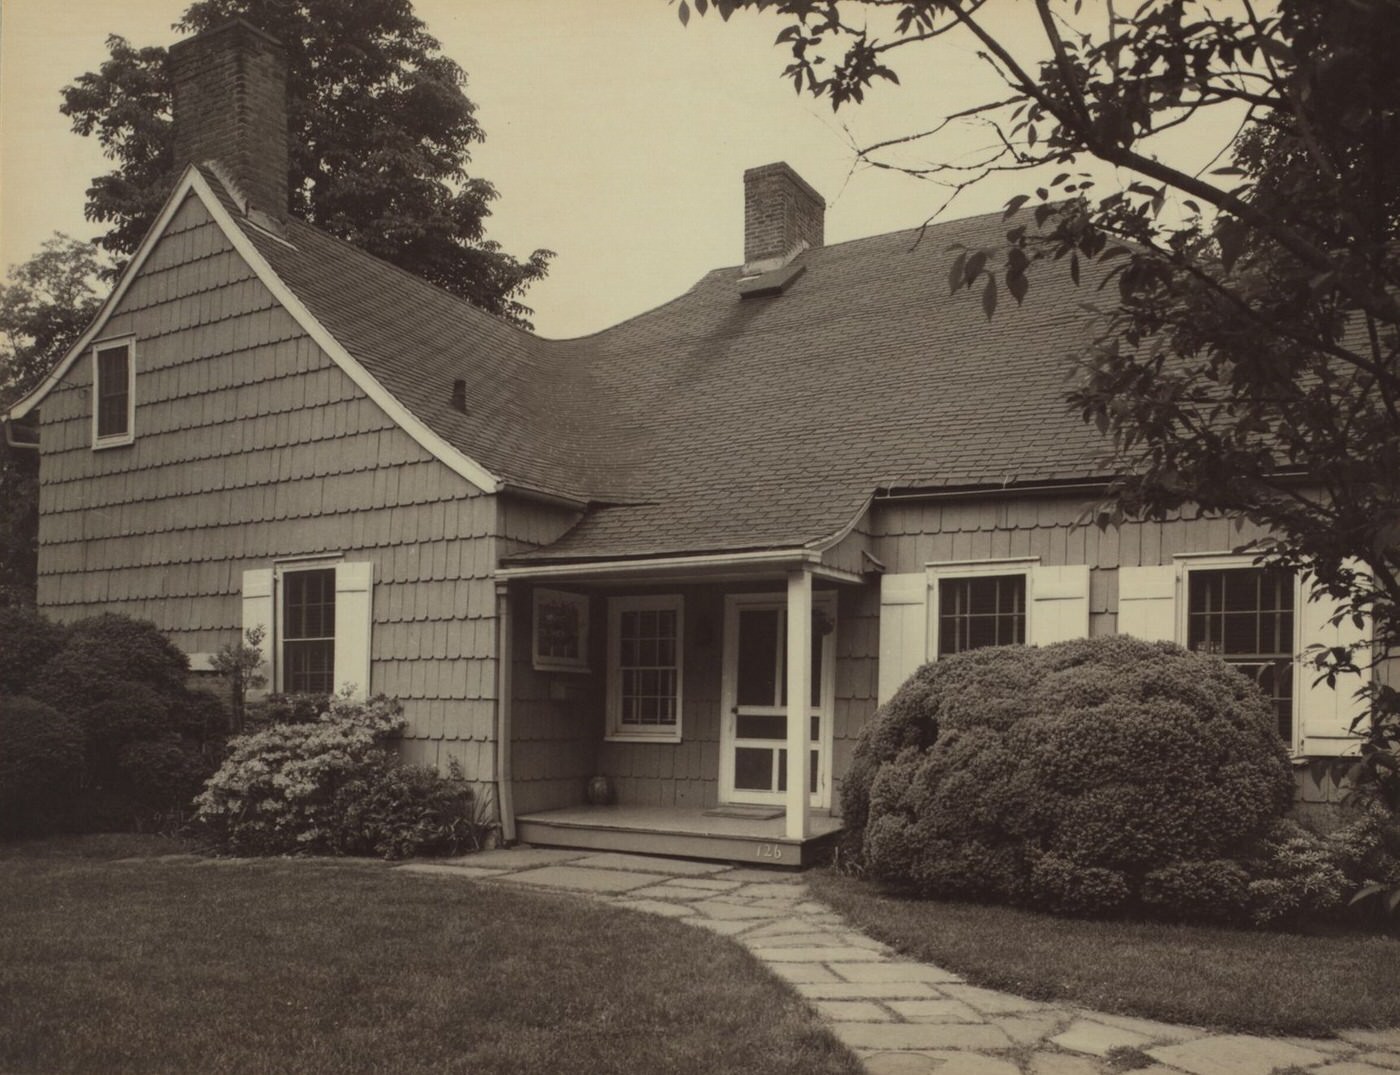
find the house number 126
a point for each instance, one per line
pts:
(770, 851)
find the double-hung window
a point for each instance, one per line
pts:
(113, 393)
(308, 631)
(645, 638)
(1245, 615)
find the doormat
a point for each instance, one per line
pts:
(748, 813)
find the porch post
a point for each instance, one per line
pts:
(799, 694)
(505, 778)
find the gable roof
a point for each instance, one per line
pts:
(713, 423)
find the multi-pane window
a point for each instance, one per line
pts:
(308, 631)
(1245, 616)
(981, 610)
(112, 395)
(645, 637)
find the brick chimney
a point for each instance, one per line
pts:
(231, 111)
(783, 216)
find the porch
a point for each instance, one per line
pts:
(753, 835)
(673, 686)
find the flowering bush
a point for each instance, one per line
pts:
(1294, 877)
(332, 787)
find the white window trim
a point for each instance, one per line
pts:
(617, 732)
(1216, 561)
(116, 440)
(959, 569)
(280, 571)
(543, 662)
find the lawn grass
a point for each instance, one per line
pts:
(199, 965)
(1229, 979)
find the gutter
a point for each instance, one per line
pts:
(968, 492)
(629, 568)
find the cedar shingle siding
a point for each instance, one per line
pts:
(251, 444)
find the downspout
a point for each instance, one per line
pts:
(505, 794)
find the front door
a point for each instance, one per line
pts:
(753, 758)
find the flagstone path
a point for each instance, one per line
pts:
(898, 1016)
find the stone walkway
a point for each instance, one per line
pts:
(902, 1017)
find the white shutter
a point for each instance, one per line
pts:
(903, 629)
(1059, 604)
(354, 584)
(1147, 602)
(1325, 713)
(257, 612)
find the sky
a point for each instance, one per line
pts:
(615, 136)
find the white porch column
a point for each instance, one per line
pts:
(799, 695)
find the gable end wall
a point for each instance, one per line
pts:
(252, 445)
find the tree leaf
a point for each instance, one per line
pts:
(989, 296)
(684, 13)
(1018, 285)
(1230, 235)
(1014, 206)
(955, 274)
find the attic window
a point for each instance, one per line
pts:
(113, 393)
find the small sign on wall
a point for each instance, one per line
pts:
(560, 631)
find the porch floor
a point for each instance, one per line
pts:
(686, 832)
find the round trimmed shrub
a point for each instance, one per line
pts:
(149, 741)
(27, 642)
(41, 765)
(1062, 777)
(103, 655)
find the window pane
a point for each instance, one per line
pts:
(766, 726)
(981, 610)
(758, 657)
(113, 386)
(753, 768)
(310, 666)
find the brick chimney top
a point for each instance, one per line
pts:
(230, 111)
(783, 216)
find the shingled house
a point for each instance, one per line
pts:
(582, 557)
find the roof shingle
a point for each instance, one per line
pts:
(717, 423)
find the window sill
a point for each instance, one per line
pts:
(642, 737)
(113, 442)
(552, 666)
